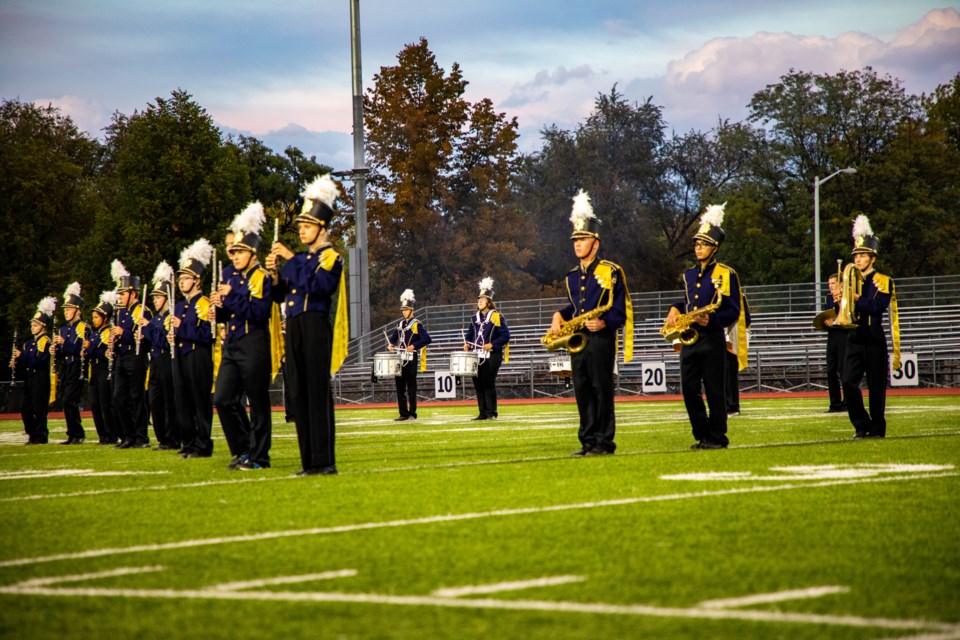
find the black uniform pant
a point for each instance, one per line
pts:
(309, 344)
(870, 357)
(485, 384)
(731, 383)
(192, 384)
(836, 352)
(129, 378)
(72, 389)
(407, 387)
(34, 406)
(702, 363)
(101, 404)
(593, 389)
(245, 370)
(163, 404)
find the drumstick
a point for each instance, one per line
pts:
(387, 338)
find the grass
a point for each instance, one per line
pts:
(445, 502)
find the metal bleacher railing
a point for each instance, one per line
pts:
(786, 353)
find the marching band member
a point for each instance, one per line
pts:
(703, 361)
(193, 364)
(598, 287)
(244, 303)
(32, 365)
(867, 344)
(69, 354)
(411, 339)
(836, 348)
(163, 405)
(101, 385)
(315, 349)
(129, 362)
(488, 336)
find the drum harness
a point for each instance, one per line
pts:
(478, 337)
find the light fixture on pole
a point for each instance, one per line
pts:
(816, 231)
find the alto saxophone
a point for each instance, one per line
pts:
(682, 328)
(569, 336)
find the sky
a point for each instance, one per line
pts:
(281, 70)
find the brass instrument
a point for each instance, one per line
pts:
(13, 356)
(569, 336)
(682, 328)
(850, 290)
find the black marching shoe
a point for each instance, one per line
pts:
(696, 445)
(597, 451)
(124, 444)
(581, 452)
(860, 435)
(712, 445)
(480, 417)
(401, 418)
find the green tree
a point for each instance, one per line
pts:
(48, 199)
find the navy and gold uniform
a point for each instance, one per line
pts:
(193, 375)
(33, 367)
(409, 332)
(130, 375)
(101, 394)
(307, 283)
(245, 365)
(703, 362)
(836, 353)
(69, 357)
(488, 327)
(163, 405)
(867, 344)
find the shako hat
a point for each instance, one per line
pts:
(585, 223)
(246, 228)
(863, 239)
(108, 301)
(71, 297)
(195, 259)
(45, 311)
(407, 299)
(125, 281)
(162, 280)
(486, 288)
(318, 200)
(710, 230)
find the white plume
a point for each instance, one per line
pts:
(47, 306)
(861, 227)
(250, 220)
(201, 251)
(117, 270)
(713, 215)
(323, 189)
(164, 273)
(407, 297)
(582, 209)
(110, 297)
(486, 284)
(73, 289)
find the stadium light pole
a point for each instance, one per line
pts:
(816, 231)
(360, 272)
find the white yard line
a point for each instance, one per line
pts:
(512, 605)
(267, 582)
(516, 585)
(85, 473)
(122, 571)
(778, 596)
(498, 513)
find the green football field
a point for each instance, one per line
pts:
(449, 528)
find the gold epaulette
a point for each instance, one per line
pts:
(203, 308)
(257, 277)
(81, 330)
(329, 258)
(495, 318)
(882, 282)
(724, 273)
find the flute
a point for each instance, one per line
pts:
(110, 342)
(213, 287)
(170, 307)
(83, 357)
(143, 297)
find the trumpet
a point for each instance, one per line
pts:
(569, 336)
(682, 328)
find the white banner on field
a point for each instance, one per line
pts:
(908, 376)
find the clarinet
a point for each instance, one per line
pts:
(83, 357)
(170, 309)
(140, 326)
(53, 347)
(214, 279)
(110, 359)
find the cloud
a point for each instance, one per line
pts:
(619, 29)
(719, 78)
(538, 89)
(88, 115)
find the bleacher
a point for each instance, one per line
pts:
(786, 352)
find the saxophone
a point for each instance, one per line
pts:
(682, 327)
(569, 336)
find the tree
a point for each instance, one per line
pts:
(48, 200)
(441, 175)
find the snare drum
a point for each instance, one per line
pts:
(560, 365)
(464, 363)
(386, 365)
